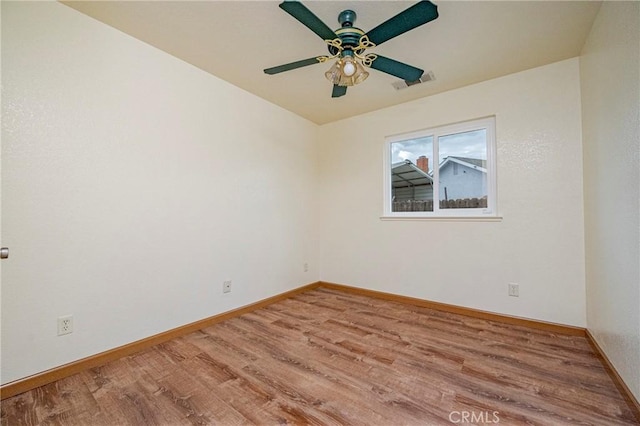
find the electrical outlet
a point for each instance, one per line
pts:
(65, 325)
(514, 289)
(305, 267)
(226, 286)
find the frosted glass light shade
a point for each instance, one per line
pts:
(346, 72)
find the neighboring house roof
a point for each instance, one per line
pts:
(472, 163)
(405, 174)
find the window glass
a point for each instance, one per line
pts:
(462, 170)
(411, 182)
(445, 171)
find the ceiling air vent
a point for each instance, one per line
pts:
(403, 84)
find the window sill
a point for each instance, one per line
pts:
(445, 218)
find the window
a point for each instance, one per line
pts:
(461, 181)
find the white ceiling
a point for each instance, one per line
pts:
(471, 41)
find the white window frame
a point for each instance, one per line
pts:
(488, 213)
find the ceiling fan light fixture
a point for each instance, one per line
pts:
(347, 71)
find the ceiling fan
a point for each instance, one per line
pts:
(348, 44)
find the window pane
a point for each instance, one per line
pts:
(463, 170)
(412, 175)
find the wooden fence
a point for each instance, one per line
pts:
(427, 205)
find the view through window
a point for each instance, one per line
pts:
(442, 171)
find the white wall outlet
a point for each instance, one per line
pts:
(226, 286)
(65, 325)
(514, 289)
(305, 267)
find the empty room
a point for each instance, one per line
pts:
(320, 212)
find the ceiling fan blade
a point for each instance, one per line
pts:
(338, 91)
(399, 69)
(291, 66)
(308, 19)
(418, 14)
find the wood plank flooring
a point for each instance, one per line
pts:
(326, 357)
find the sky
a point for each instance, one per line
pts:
(467, 144)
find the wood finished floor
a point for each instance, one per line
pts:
(328, 357)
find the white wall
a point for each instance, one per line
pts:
(539, 243)
(133, 184)
(610, 81)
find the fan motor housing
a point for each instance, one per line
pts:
(348, 34)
